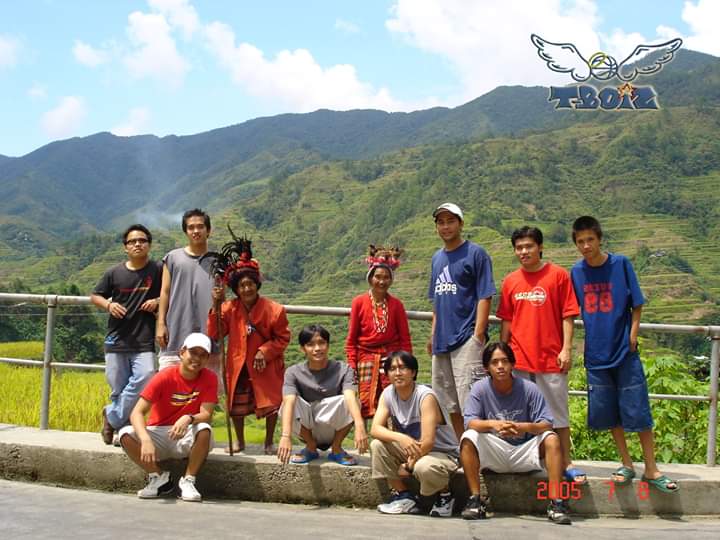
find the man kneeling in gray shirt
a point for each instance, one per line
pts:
(320, 404)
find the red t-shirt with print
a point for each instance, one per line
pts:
(535, 303)
(172, 395)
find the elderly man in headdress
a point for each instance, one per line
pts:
(378, 325)
(258, 334)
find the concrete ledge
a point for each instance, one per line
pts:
(81, 460)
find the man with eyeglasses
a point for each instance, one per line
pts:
(129, 292)
(412, 437)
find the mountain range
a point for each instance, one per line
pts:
(313, 189)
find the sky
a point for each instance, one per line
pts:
(71, 68)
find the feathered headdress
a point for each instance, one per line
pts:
(234, 257)
(385, 257)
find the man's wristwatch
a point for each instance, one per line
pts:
(192, 419)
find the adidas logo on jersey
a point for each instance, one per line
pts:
(444, 283)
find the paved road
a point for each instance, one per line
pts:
(38, 511)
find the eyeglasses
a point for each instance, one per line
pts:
(401, 369)
(136, 241)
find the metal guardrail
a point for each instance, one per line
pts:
(53, 301)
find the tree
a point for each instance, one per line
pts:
(78, 335)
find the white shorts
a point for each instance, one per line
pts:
(167, 360)
(554, 388)
(323, 418)
(500, 456)
(167, 448)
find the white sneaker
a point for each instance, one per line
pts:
(443, 506)
(400, 503)
(158, 484)
(188, 491)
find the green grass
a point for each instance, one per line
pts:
(76, 400)
(27, 350)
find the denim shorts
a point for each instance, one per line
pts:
(618, 397)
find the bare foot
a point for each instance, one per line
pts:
(236, 448)
(270, 450)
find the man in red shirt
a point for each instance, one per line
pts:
(180, 400)
(537, 308)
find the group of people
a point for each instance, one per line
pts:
(501, 406)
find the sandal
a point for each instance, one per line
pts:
(343, 458)
(626, 473)
(304, 456)
(663, 483)
(572, 474)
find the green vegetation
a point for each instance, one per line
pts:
(312, 190)
(76, 398)
(27, 350)
(680, 432)
(680, 426)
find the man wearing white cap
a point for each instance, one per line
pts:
(180, 400)
(461, 288)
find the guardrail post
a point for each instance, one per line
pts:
(47, 359)
(712, 417)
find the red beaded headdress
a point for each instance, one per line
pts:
(379, 256)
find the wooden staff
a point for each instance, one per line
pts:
(221, 339)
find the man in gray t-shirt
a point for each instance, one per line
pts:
(320, 404)
(186, 291)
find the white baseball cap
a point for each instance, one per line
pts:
(197, 340)
(449, 207)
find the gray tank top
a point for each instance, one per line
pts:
(190, 297)
(406, 418)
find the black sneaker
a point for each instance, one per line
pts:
(443, 506)
(159, 485)
(476, 508)
(558, 512)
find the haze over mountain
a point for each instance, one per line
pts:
(314, 188)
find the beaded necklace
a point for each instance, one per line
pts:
(380, 314)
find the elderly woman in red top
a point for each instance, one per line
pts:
(378, 325)
(258, 334)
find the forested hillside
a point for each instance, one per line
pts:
(313, 190)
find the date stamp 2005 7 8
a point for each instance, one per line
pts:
(572, 491)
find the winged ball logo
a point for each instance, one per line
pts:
(566, 58)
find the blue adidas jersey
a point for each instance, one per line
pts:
(458, 280)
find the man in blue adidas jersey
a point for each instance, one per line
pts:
(461, 288)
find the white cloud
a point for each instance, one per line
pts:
(667, 32)
(37, 91)
(135, 124)
(346, 26)
(294, 78)
(620, 44)
(88, 55)
(488, 44)
(702, 18)
(155, 54)
(179, 13)
(64, 120)
(9, 48)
